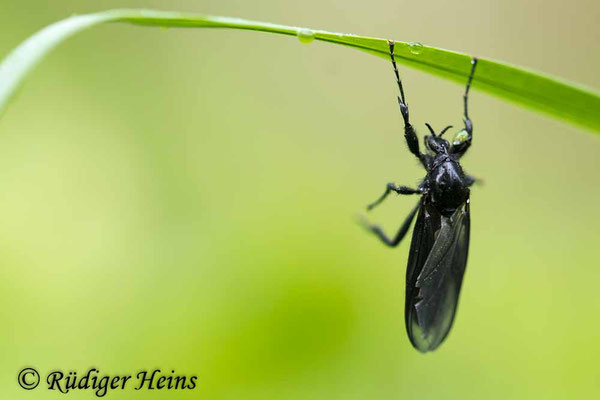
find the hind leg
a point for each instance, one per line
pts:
(393, 242)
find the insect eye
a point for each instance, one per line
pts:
(426, 140)
(460, 138)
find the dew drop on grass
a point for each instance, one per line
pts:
(415, 47)
(306, 35)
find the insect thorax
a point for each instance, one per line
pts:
(447, 185)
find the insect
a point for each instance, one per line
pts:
(440, 241)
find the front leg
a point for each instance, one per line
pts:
(463, 139)
(409, 132)
(393, 188)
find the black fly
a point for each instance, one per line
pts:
(440, 242)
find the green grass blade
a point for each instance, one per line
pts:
(568, 101)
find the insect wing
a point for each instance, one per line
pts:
(435, 286)
(420, 247)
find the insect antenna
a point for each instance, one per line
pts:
(430, 129)
(445, 129)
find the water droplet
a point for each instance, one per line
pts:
(306, 35)
(415, 47)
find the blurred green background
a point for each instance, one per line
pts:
(186, 199)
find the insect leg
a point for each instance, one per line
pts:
(409, 132)
(462, 145)
(392, 188)
(393, 242)
(471, 180)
